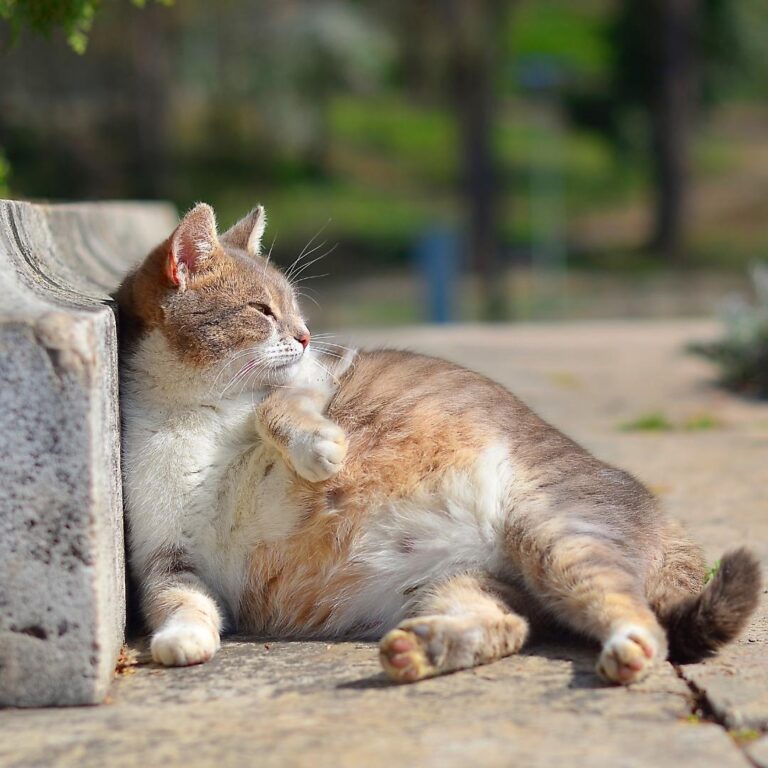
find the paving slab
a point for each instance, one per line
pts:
(308, 704)
(280, 703)
(758, 752)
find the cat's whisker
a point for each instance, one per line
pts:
(237, 356)
(331, 344)
(304, 249)
(249, 381)
(308, 264)
(269, 254)
(310, 298)
(309, 277)
(331, 354)
(295, 266)
(327, 351)
(299, 291)
(324, 345)
(247, 368)
(221, 371)
(322, 368)
(306, 255)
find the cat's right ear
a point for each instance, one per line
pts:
(192, 245)
(247, 233)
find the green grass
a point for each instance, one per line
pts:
(346, 212)
(711, 572)
(744, 735)
(657, 421)
(650, 422)
(420, 141)
(700, 423)
(420, 145)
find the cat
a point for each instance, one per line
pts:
(278, 486)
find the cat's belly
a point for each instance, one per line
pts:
(259, 510)
(353, 566)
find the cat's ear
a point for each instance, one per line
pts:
(247, 233)
(192, 245)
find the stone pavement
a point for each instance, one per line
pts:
(278, 703)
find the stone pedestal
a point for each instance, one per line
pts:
(62, 582)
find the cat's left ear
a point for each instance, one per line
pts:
(247, 233)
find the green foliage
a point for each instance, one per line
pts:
(5, 172)
(710, 574)
(73, 17)
(572, 34)
(742, 353)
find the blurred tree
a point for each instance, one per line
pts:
(671, 59)
(73, 17)
(452, 47)
(311, 50)
(656, 58)
(149, 90)
(473, 65)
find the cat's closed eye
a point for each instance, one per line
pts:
(265, 309)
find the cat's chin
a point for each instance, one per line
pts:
(280, 375)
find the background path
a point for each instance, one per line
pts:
(318, 704)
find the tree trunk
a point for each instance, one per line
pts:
(475, 27)
(151, 94)
(671, 123)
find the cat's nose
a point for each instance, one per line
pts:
(303, 339)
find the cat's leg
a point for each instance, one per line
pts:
(292, 421)
(460, 623)
(591, 585)
(179, 609)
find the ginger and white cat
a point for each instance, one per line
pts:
(272, 488)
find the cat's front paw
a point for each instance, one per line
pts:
(183, 643)
(319, 454)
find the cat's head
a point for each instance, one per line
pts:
(218, 302)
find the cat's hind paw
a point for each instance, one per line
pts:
(321, 454)
(404, 657)
(184, 643)
(628, 655)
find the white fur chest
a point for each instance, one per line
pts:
(197, 476)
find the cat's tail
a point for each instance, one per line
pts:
(698, 624)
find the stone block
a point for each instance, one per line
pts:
(62, 578)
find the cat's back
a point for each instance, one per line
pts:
(392, 396)
(411, 417)
(385, 385)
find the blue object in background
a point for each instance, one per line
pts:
(437, 259)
